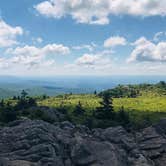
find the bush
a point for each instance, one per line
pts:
(123, 117)
(40, 115)
(79, 110)
(8, 115)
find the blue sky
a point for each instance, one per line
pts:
(76, 37)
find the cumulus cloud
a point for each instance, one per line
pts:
(114, 41)
(95, 61)
(89, 64)
(146, 50)
(35, 51)
(88, 60)
(8, 34)
(98, 11)
(31, 55)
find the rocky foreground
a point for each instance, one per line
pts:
(37, 143)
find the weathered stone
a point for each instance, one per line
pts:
(37, 143)
(7, 162)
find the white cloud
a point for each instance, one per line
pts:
(8, 34)
(89, 47)
(92, 12)
(98, 11)
(90, 64)
(35, 51)
(32, 60)
(37, 40)
(115, 41)
(95, 61)
(3, 63)
(159, 36)
(88, 60)
(146, 50)
(31, 55)
(107, 52)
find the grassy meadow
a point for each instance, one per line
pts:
(145, 107)
(143, 104)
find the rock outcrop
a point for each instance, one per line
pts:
(37, 143)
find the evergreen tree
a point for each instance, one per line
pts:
(106, 110)
(31, 102)
(8, 104)
(161, 85)
(14, 98)
(62, 108)
(79, 110)
(2, 104)
(24, 94)
(89, 122)
(123, 117)
(21, 104)
(133, 93)
(8, 114)
(44, 96)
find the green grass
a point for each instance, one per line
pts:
(141, 108)
(89, 102)
(152, 104)
(149, 107)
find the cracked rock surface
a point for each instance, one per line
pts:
(38, 143)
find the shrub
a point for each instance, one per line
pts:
(8, 115)
(79, 110)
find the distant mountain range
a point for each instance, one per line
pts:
(11, 85)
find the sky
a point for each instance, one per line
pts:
(78, 37)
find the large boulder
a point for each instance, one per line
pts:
(37, 143)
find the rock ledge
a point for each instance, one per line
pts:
(37, 143)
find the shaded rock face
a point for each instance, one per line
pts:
(37, 143)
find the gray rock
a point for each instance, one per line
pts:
(37, 143)
(7, 162)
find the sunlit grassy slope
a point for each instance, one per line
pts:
(89, 102)
(147, 106)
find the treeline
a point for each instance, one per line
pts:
(101, 117)
(24, 106)
(133, 91)
(122, 91)
(10, 111)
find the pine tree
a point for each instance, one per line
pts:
(24, 94)
(44, 96)
(2, 103)
(8, 114)
(14, 98)
(79, 109)
(123, 116)
(62, 108)
(31, 102)
(106, 110)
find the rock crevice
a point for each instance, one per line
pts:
(38, 143)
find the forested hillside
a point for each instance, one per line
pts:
(127, 105)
